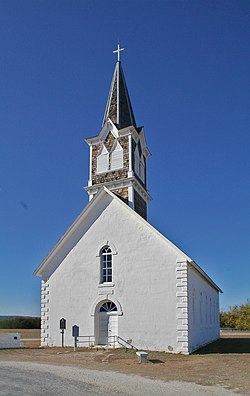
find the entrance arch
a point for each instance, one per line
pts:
(106, 323)
(100, 300)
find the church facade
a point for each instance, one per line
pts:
(112, 273)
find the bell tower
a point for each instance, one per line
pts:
(118, 154)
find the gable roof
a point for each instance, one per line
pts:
(66, 243)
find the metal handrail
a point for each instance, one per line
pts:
(114, 337)
(112, 340)
(89, 341)
(126, 342)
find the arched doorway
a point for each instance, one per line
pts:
(107, 323)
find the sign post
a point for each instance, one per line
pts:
(75, 334)
(62, 328)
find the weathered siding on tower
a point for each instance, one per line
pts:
(113, 103)
(140, 205)
(122, 193)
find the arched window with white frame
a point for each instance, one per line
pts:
(116, 156)
(106, 265)
(102, 160)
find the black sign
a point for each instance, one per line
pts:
(62, 324)
(75, 331)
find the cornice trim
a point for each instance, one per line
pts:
(122, 183)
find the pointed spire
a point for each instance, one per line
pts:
(119, 108)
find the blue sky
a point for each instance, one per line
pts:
(187, 67)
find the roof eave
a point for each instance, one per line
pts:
(203, 273)
(70, 231)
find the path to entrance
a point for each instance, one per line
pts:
(35, 379)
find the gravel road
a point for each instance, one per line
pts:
(34, 379)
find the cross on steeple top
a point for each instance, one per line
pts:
(118, 52)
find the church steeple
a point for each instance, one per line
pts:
(118, 155)
(119, 109)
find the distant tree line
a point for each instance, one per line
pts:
(238, 317)
(21, 322)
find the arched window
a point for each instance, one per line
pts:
(102, 160)
(106, 265)
(116, 156)
(108, 306)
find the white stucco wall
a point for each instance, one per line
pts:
(203, 311)
(144, 275)
(153, 285)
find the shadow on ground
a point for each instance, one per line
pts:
(226, 345)
(155, 361)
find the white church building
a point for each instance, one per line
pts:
(112, 273)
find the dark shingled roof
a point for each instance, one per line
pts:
(119, 108)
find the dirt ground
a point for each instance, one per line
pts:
(225, 362)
